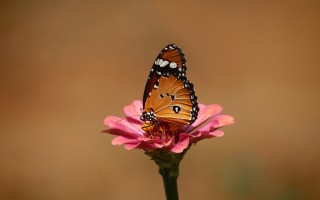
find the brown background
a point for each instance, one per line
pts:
(66, 65)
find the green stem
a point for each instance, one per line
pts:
(168, 163)
(170, 183)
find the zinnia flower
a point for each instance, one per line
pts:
(135, 134)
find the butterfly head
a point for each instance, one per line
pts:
(148, 116)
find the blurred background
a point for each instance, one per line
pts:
(66, 65)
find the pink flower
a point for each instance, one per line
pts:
(133, 133)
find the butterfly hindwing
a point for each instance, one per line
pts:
(170, 101)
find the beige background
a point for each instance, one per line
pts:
(66, 65)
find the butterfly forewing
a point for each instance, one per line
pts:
(170, 60)
(152, 81)
(174, 56)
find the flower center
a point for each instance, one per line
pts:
(161, 130)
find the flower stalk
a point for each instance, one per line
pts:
(168, 163)
(170, 182)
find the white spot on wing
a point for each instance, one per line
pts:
(173, 65)
(164, 63)
(160, 62)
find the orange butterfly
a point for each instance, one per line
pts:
(168, 95)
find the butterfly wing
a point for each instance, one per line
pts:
(168, 95)
(173, 100)
(152, 81)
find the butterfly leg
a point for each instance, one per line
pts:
(148, 128)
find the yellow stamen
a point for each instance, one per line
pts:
(161, 130)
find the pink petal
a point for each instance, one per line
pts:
(122, 140)
(217, 133)
(205, 135)
(147, 145)
(169, 142)
(160, 144)
(128, 143)
(110, 121)
(182, 144)
(119, 132)
(217, 122)
(205, 112)
(224, 120)
(123, 124)
(134, 110)
(144, 139)
(131, 146)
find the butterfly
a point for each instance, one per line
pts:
(169, 96)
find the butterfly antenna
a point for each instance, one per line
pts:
(129, 120)
(128, 117)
